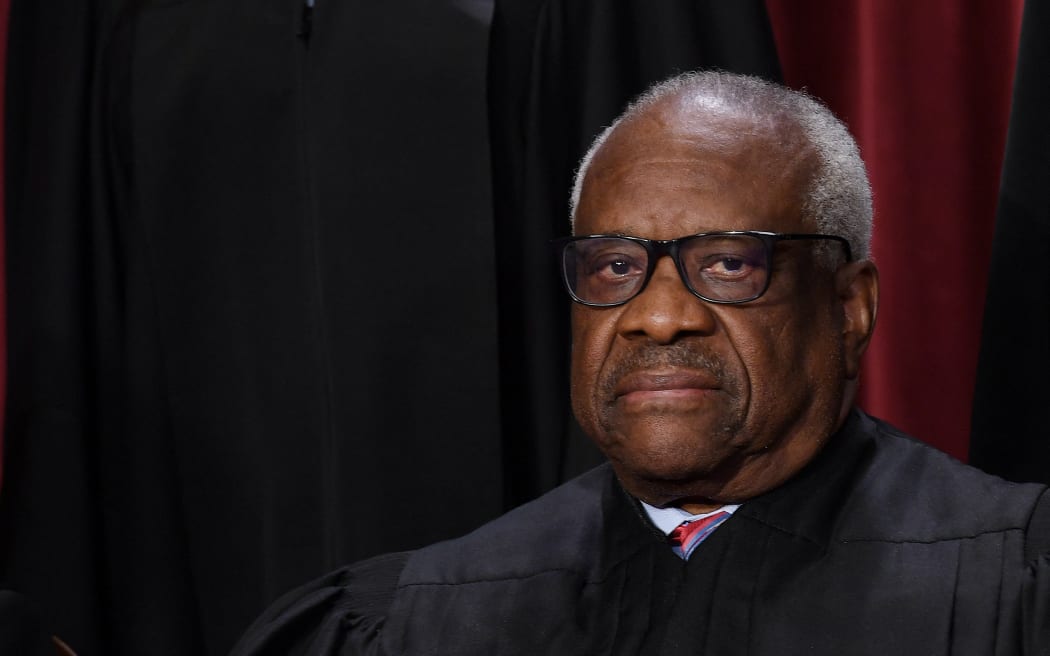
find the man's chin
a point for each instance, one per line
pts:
(669, 472)
(673, 465)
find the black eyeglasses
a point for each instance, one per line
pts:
(719, 267)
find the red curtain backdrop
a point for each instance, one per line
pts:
(925, 87)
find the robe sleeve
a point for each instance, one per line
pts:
(1036, 602)
(1037, 608)
(341, 613)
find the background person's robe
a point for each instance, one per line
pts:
(880, 546)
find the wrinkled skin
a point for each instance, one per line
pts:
(698, 404)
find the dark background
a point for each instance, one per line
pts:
(278, 294)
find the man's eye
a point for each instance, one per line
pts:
(731, 264)
(615, 266)
(727, 266)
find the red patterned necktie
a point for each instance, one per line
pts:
(687, 535)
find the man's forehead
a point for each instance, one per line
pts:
(673, 128)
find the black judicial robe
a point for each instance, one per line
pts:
(880, 546)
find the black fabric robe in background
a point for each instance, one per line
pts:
(252, 285)
(1009, 436)
(281, 352)
(20, 630)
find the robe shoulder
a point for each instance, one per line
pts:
(553, 533)
(898, 489)
(342, 612)
(345, 611)
(907, 491)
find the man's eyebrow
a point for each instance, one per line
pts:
(609, 233)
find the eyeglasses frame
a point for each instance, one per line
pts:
(656, 249)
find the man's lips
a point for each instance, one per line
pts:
(664, 384)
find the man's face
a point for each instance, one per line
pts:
(696, 403)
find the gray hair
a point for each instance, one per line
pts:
(838, 199)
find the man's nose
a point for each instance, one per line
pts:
(666, 310)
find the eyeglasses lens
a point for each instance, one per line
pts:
(729, 268)
(605, 270)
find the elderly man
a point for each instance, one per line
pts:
(723, 300)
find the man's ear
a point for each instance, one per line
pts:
(857, 285)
